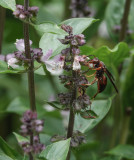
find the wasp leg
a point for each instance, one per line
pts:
(95, 80)
(96, 69)
(95, 95)
(91, 75)
(83, 72)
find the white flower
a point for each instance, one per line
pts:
(77, 60)
(54, 68)
(45, 57)
(54, 65)
(12, 63)
(76, 65)
(20, 44)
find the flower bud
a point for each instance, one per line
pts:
(67, 28)
(75, 50)
(65, 51)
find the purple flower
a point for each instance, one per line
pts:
(29, 116)
(75, 50)
(45, 57)
(36, 139)
(9, 56)
(37, 148)
(26, 147)
(22, 14)
(80, 39)
(31, 124)
(39, 129)
(34, 10)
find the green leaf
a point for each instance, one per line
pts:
(101, 108)
(39, 69)
(109, 56)
(20, 138)
(50, 41)
(125, 151)
(88, 114)
(10, 4)
(56, 151)
(4, 156)
(45, 139)
(111, 158)
(55, 104)
(18, 105)
(114, 14)
(4, 69)
(48, 27)
(79, 24)
(25, 158)
(6, 149)
(86, 50)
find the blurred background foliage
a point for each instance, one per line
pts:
(14, 89)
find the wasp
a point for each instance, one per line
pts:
(100, 71)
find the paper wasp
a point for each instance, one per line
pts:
(100, 71)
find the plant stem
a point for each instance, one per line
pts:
(30, 70)
(70, 129)
(72, 114)
(124, 20)
(2, 21)
(118, 109)
(31, 67)
(124, 23)
(125, 126)
(67, 10)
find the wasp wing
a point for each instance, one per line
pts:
(109, 73)
(110, 76)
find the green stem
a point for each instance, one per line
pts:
(118, 107)
(125, 126)
(124, 21)
(2, 21)
(67, 10)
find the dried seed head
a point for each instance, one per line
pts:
(77, 139)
